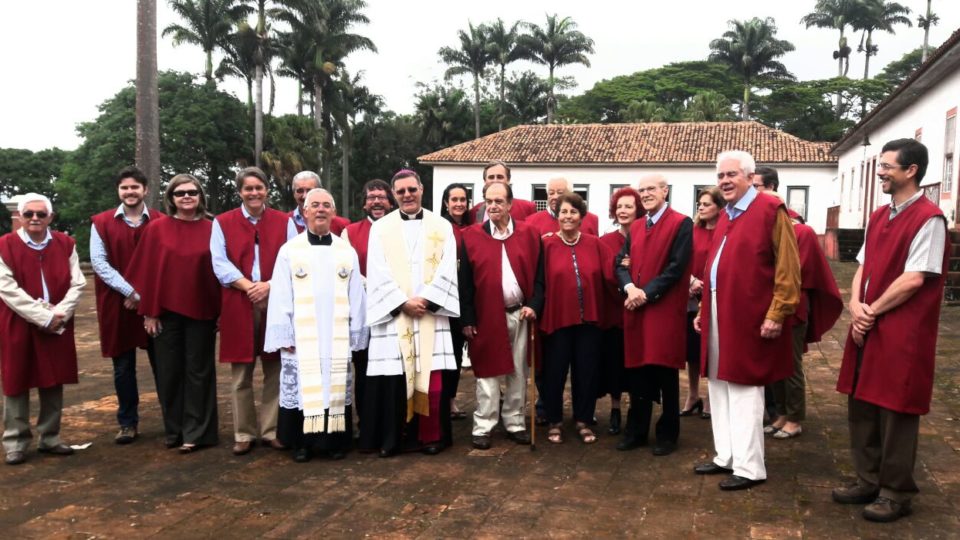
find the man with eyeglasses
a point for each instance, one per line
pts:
(114, 235)
(498, 171)
(501, 264)
(378, 201)
(889, 359)
(412, 291)
(303, 182)
(40, 286)
(745, 323)
(545, 222)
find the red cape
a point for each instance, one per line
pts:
(612, 314)
(561, 306)
(821, 303)
(358, 233)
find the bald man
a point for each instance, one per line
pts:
(545, 222)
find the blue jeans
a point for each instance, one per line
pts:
(125, 383)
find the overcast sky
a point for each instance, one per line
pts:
(62, 58)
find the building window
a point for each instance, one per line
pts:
(540, 194)
(797, 200)
(949, 142)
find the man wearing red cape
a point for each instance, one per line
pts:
(497, 171)
(546, 221)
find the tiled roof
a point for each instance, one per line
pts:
(659, 142)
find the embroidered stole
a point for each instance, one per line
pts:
(318, 416)
(416, 340)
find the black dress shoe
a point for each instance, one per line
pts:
(15, 458)
(58, 450)
(519, 437)
(884, 510)
(480, 442)
(172, 442)
(630, 443)
(385, 453)
(664, 448)
(301, 455)
(855, 494)
(711, 468)
(735, 483)
(337, 455)
(431, 450)
(614, 422)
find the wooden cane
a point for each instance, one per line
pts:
(532, 390)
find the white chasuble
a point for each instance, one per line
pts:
(408, 259)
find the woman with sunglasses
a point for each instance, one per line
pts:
(180, 300)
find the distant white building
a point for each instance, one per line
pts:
(600, 158)
(923, 107)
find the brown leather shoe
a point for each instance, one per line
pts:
(273, 443)
(58, 450)
(855, 494)
(885, 510)
(241, 448)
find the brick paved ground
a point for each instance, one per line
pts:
(559, 491)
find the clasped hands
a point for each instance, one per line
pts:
(57, 323)
(636, 297)
(768, 330)
(863, 319)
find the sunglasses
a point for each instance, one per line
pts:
(186, 193)
(404, 191)
(29, 214)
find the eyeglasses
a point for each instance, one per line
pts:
(29, 214)
(186, 193)
(888, 167)
(375, 198)
(404, 191)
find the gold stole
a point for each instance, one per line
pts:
(416, 349)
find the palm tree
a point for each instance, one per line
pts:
(708, 106)
(208, 23)
(559, 43)
(441, 113)
(148, 99)
(925, 22)
(836, 14)
(355, 98)
(239, 59)
(295, 62)
(527, 98)
(328, 24)
(751, 50)
(503, 48)
(472, 57)
(262, 59)
(877, 15)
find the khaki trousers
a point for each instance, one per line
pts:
(16, 419)
(790, 394)
(514, 386)
(244, 411)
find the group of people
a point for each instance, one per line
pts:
(365, 323)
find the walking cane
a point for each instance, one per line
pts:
(532, 390)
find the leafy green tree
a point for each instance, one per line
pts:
(205, 133)
(240, 51)
(443, 116)
(877, 16)
(897, 71)
(556, 44)
(504, 48)
(207, 24)
(647, 111)
(472, 57)
(387, 142)
(750, 48)
(24, 171)
(708, 106)
(526, 98)
(290, 146)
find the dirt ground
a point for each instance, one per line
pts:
(568, 490)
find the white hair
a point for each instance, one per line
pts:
(318, 191)
(566, 182)
(304, 175)
(747, 164)
(34, 197)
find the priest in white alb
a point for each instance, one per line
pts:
(316, 319)
(412, 284)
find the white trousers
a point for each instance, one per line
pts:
(736, 415)
(514, 386)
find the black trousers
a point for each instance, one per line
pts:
(187, 378)
(574, 349)
(385, 425)
(649, 384)
(290, 432)
(611, 377)
(359, 381)
(451, 377)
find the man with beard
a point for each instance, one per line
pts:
(497, 171)
(545, 222)
(888, 362)
(412, 284)
(377, 202)
(113, 237)
(303, 182)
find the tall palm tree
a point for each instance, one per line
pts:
(527, 98)
(295, 62)
(504, 49)
(877, 16)
(472, 57)
(751, 50)
(708, 106)
(441, 113)
(355, 99)
(262, 58)
(148, 99)
(557, 44)
(207, 23)
(925, 22)
(239, 59)
(328, 24)
(836, 14)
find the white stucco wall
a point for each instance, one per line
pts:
(683, 179)
(929, 114)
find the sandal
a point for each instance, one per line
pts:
(555, 434)
(187, 448)
(587, 436)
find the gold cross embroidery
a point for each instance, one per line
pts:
(434, 261)
(408, 335)
(436, 238)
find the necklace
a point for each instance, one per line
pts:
(577, 239)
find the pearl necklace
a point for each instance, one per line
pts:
(564, 240)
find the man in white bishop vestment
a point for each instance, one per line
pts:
(315, 318)
(412, 286)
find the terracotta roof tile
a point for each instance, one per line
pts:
(684, 142)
